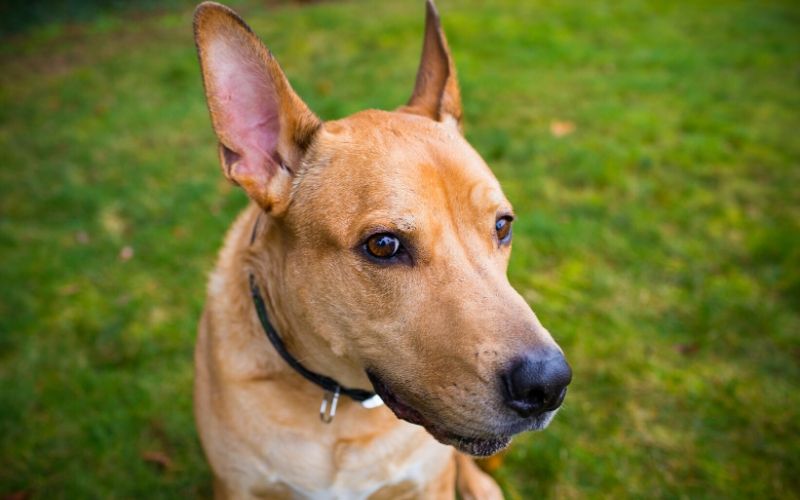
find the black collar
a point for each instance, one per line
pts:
(323, 381)
(331, 386)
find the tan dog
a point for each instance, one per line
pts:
(373, 255)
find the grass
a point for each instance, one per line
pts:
(659, 241)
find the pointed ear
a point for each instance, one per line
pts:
(262, 125)
(436, 92)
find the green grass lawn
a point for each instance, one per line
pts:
(659, 241)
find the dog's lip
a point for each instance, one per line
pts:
(477, 446)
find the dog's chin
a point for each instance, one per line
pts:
(479, 446)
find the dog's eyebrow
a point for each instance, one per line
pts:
(482, 195)
(406, 224)
(383, 221)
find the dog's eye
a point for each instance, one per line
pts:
(503, 229)
(383, 246)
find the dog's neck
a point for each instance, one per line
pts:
(265, 257)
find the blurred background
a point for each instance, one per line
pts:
(650, 149)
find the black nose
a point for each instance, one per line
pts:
(537, 382)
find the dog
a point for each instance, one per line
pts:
(369, 268)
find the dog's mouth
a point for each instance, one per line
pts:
(476, 446)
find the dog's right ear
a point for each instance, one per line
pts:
(263, 127)
(436, 93)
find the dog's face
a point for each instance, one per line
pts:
(397, 238)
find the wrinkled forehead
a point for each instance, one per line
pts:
(394, 169)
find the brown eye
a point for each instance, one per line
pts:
(503, 229)
(383, 246)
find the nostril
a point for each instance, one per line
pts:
(555, 400)
(536, 383)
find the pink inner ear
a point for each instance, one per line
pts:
(245, 105)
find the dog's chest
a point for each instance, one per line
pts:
(400, 463)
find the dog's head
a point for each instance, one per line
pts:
(395, 238)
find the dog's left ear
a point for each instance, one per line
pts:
(436, 94)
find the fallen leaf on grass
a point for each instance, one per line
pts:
(126, 253)
(561, 128)
(17, 495)
(69, 289)
(159, 458)
(687, 349)
(491, 464)
(82, 237)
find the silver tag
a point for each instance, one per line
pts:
(327, 410)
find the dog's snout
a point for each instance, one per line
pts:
(536, 382)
